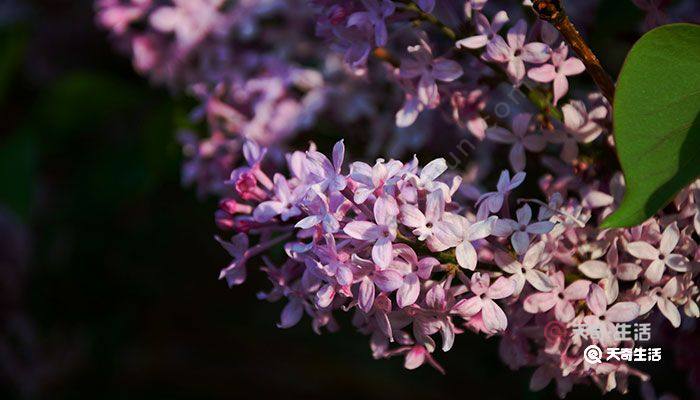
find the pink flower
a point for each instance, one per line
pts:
(382, 233)
(326, 174)
(189, 20)
(376, 180)
(284, 205)
(237, 248)
(429, 70)
(417, 356)
(466, 111)
(515, 53)
(525, 271)
(559, 298)
(493, 317)
(424, 224)
(662, 299)
(373, 18)
(470, 6)
(522, 229)
(435, 317)
(520, 140)
(557, 71)
(486, 32)
(580, 126)
(414, 270)
(609, 272)
(663, 256)
(603, 319)
(460, 232)
(492, 202)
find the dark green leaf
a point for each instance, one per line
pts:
(657, 128)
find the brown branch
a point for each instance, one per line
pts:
(553, 12)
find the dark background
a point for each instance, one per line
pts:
(108, 283)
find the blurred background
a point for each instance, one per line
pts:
(108, 268)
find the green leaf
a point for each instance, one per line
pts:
(657, 121)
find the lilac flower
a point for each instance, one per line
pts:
(430, 70)
(406, 260)
(525, 271)
(519, 139)
(237, 248)
(382, 233)
(493, 201)
(354, 44)
(470, 6)
(559, 298)
(285, 204)
(291, 313)
(376, 180)
(426, 178)
(377, 12)
(604, 320)
(379, 242)
(522, 229)
(557, 71)
(424, 224)
(483, 301)
(580, 126)
(460, 232)
(321, 210)
(663, 256)
(515, 53)
(654, 15)
(486, 32)
(436, 318)
(326, 174)
(189, 20)
(466, 111)
(610, 272)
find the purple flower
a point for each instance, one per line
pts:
(515, 53)
(284, 205)
(557, 71)
(430, 70)
(492, 202)
(525, 270)
(663, 256)
(519, 138)
(493, 317)
(373, 18)
(610, 272)
(406, 260)
(559, 298)
(326, 174)
(522, 229)
(237, 247)
(382, 233)
(486, 32)
(459, 232)
(470, 6)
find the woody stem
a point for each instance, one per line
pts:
(553, 12)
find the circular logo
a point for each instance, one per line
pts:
(593, 354)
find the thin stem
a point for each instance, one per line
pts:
(430, 18)
(553, 12)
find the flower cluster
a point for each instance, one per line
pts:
(394, 244)
(251, 65)
(420, 254)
